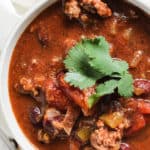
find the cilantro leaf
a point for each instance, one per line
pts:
(76, 59)
(81, 74)
(98, 51)
(96, 47)
(102, 64)
(92, 100)
(89, 61)
(106, 88)
(120, 66)
(79, 80)
(108, 66)
(125, 85)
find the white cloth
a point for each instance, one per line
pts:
(22, 6)
(25, 3)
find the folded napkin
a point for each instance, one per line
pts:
(25, 4)
(21, 6)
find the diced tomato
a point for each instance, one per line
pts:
(138, 122)
(147, 119)
(144, 106)
(80, 97)
(141, 105)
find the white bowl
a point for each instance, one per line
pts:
(5, 62)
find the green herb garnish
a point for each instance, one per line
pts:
(89, 61)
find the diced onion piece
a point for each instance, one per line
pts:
(111, 48)
(113, 27)
(143, 75)
(127, 33)
(84, 133)
(113, 120)
(137, 57)
(56, 59)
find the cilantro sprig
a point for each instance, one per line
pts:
(89, 61)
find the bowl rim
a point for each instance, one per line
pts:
(6, 106)
(5, 102)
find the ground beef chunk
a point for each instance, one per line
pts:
(41, 89)
(55, 96)
(105, 139)
(41, 32)
(101, 8)
(80, 9)
(72, 9)
(126, 123)
(29, 85)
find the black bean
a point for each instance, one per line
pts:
(48, 127)
(35, 115)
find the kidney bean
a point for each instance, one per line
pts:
(124, 146)
(141, 86)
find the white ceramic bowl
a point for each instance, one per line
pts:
(5, 61)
